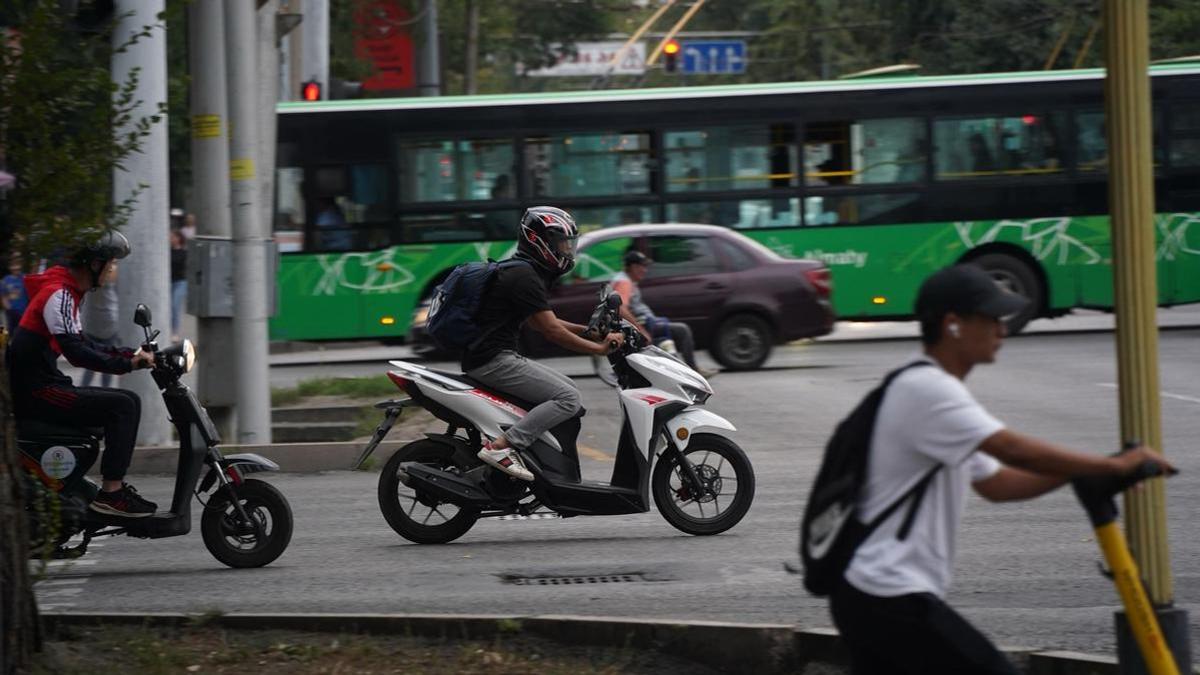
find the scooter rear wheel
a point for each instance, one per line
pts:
(413, 516)
(229, 542)
(725, 495)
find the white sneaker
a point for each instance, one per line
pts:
(507, 460)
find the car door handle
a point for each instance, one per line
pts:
(714, 286)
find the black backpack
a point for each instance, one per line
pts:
(456, 303)
(830, 531)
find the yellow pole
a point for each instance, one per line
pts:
(1087, 44)
(1062, 40)
(1131, 201)
(687, 16)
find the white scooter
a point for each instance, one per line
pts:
(433, 490)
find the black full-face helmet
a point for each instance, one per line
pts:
(112, 245)
(548, 237)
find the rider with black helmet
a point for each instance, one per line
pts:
(546, 243)
(49, 327)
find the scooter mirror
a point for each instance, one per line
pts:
(141, 316)
(613, 301)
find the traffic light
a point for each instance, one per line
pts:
(670, 56)
(310, 91)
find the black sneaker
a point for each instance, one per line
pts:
(125, 502)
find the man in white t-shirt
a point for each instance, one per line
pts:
(890, 609)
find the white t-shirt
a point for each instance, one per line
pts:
(927, 418)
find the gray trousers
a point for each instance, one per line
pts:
(556, 395)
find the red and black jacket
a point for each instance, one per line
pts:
(49, 327)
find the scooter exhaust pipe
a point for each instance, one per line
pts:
(442, 485)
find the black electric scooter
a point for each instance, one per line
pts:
(246, 522)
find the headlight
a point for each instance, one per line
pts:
(698, 396)
(188, 356)
(420, 316)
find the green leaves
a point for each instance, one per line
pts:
(62, 111)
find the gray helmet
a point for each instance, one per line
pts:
(112, 245)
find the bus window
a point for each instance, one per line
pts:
(1091, 146)
(982, 147)
(588, 164)
(455, 170)
(864, 152)
(594, 218)
(730, 158)
(289, 208)
(741, 214)
(458, 226)
(856, 209)
(1185, 135)
(342, 197)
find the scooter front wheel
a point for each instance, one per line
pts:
(414, 515)
(240, 544)
(725, 492)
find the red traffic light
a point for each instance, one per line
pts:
(311, 91)
(671, 56)
(671, 48)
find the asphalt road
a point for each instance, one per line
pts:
(1026, 573)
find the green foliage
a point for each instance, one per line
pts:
(359, 387)
(58, 131)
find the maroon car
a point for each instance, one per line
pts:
(739, 297)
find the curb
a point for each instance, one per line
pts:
(291, 457)
(766, 649)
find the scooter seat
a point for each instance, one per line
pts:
(467, 380)
(30, 429)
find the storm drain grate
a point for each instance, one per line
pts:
(568, 581)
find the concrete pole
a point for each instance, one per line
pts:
(210, 176)
(315, 44)
(269, 78)
(250, 281)
(145, 275)
(1131, 202)
(430, 73)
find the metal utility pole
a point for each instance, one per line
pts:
(314, 60)
(1131, 201)
(210, 278)
(429, 77)
(145, 276)
(471, 75)
(250, 238)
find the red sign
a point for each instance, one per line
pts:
(382, 38)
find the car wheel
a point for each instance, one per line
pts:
(1014, 276)
(743, 342)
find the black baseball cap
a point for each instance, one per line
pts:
(965, 289)
(636, 258)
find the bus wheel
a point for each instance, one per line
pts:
(1016, 277)
(743, 342)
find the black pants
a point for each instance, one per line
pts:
(917, 634)
(117, 410)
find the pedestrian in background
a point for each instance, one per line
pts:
(890, 607)
(101, 322)
(178, 281)
(12, 292)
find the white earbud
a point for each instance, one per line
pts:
(953, 329)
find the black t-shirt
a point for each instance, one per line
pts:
(517, 292)
(178, 264)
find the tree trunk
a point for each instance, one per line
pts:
(19, 631)
(472, 67)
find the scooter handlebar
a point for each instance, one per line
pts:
(1097, 493)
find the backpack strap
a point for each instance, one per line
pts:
(917, 492)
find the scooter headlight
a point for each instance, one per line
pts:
(698, 396)
(189, 356)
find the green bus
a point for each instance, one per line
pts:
(884, 180)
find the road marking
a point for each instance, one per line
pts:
(1164, 394)
(593, 453)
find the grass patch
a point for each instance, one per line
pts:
(210, 649)
(356, 387)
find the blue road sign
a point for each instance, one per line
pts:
(713, 57)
